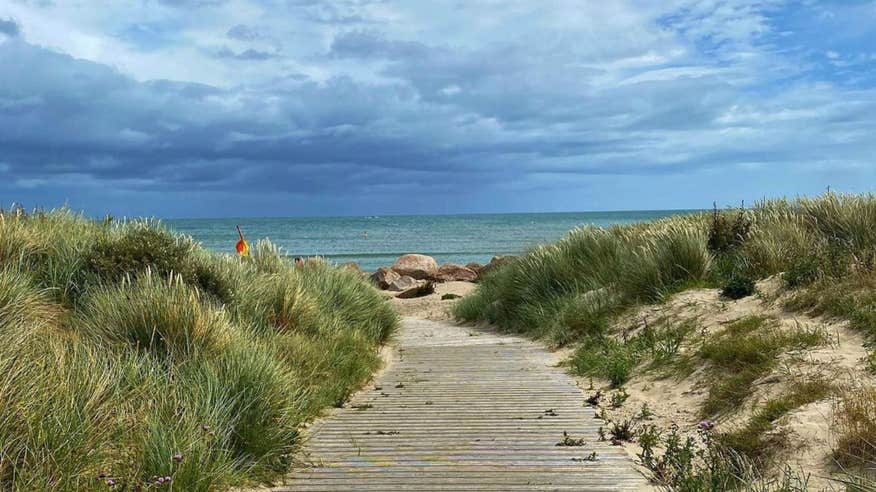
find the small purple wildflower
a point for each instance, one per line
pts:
(167, 479)
(706, 425)
(110, 482)
(177, 457)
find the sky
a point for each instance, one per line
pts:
(212, 108)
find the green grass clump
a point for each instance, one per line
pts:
(748, 350)
(758, 441)
(161, 315)
(855, 417)
(555, 289)
(614, 360)
(131, 355)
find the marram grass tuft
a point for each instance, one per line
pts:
(131, 357)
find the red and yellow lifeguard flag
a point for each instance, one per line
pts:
(242, 246)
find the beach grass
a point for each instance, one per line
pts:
(566, 290)
(823, 248)
(131, 356)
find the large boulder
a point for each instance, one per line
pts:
(475, 267)
(495, 262)
(403, 283)
(419, 267)
(451, 272)
(383, 277)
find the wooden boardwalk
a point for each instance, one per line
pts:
(460, 409)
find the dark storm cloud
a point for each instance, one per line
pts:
(346, 101)
(9, 27)
(68, 117)
(176, 135)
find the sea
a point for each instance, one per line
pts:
(375, 241)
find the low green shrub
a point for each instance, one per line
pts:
(688, 464)
(737, 287)
(136, 247)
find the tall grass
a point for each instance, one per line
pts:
(594, 272)
(131, 356)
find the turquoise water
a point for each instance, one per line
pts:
(449, 238)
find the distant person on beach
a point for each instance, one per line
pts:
(299, 262)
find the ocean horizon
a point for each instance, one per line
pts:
(377, 240)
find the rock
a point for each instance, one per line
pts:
(475, 267)
(419, 267)
(383, 277)
(419, 290)
(403, 283)
(451, 272)
(496, 262)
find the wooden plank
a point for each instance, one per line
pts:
(461, 412)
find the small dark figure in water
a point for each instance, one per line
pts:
(365, 234)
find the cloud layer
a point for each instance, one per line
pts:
(370, 106)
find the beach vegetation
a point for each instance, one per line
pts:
(746, 351)
(134, 359)
(705, 463)
(738, 286)
(816, 256)
(568, 289)
(652, 348)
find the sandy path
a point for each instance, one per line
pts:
(463, 409)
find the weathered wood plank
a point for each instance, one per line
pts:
(462, 412)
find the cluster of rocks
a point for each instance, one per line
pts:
(414, 271)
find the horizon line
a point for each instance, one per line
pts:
(431, 214)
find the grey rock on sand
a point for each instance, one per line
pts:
(420, 267)
(383, 277)
(422, 288)
(403, 283)
(451, 272)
